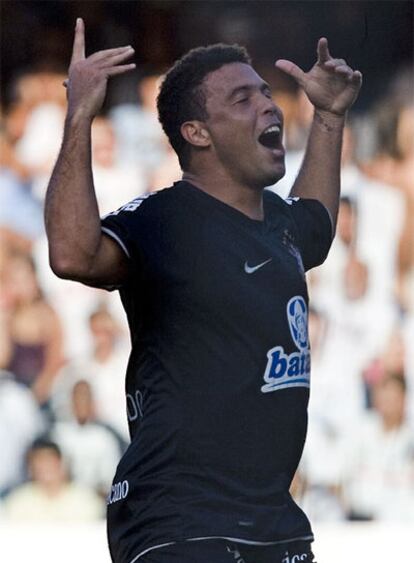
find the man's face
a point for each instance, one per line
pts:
(46, 467)
(240, 109)
(389, 402)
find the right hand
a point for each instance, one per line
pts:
(88, 76)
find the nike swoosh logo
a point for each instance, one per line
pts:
(250, 269)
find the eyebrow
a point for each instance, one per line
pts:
(248, 88)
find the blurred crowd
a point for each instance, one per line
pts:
(64, 346)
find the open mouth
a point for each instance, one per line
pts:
(271, 137)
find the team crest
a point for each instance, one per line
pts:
(290, 370)
(297, 315)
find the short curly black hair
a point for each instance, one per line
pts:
(181, 97)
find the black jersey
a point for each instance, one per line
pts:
(218, 379)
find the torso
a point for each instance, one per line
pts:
(218, 380)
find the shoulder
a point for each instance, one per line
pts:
(311, 212)
(147, 203)
(22, 493)
(275, 202)
(139, 224)
(292, 206)
(309, 221)
(283, 203)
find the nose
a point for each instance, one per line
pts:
(270, 108)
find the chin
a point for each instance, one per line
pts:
(274, 176)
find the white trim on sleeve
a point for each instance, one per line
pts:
(330, 219)
(116, 238)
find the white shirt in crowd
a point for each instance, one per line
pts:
(378, 474)
(20, 423)
(91, 451)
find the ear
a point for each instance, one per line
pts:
(195, 133)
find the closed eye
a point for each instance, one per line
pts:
(242, 100)
(266, 91)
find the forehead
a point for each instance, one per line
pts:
(222, 82)
(43, 453)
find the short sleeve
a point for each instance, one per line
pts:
(314, 227)
(128, 227)
(123, 226)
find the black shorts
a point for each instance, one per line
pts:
(224, 551)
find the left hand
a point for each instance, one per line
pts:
(331, 85)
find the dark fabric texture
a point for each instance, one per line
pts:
(223, 551)
(218, 379)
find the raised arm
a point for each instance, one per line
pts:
(77, 248)
(332, 87)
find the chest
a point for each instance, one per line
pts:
(227, 270)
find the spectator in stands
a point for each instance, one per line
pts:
(328, 283)
(392, 359)
(104, 369)
(31, 328)
(20, 423)
(91, 449)
(49, 495)
(339, 292)
(137, 128)
(167, 172)
(393, 160)
(383, 224)
(393, 163)
(21, 215)
(42, 96)
(396, 357)
(408, 339)
(115, 183)
(378, 475)
(355, 278)
(356, 285)
(319, 470)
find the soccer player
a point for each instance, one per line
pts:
(211, 273)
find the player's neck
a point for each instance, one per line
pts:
(245, 199)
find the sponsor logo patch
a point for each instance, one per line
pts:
(135, 405)
(118, 491)
(130, 206)
(290, 370)
(251, 269)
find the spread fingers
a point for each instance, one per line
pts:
(108, 54)
(120, 69)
